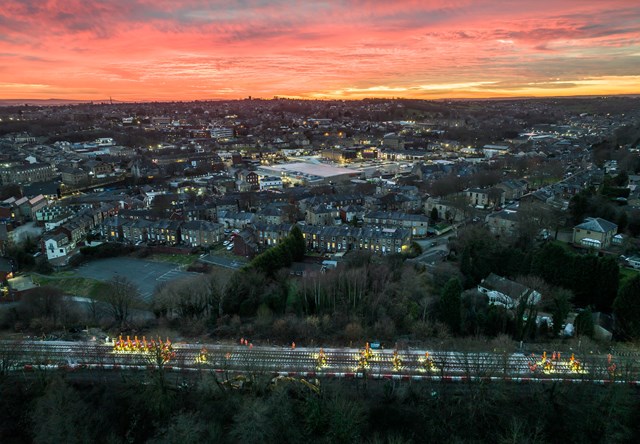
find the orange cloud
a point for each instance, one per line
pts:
(201, 49)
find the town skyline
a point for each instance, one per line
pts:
(192, 50)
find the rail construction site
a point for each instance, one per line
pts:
(227, 361)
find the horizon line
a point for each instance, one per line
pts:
(21, 101)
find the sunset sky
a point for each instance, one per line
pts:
(136, 50)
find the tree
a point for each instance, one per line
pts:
(626, 307)
(451, 305)
(60, 415)
(495, 195)
(187, 428)
(191, 298)
(44, 304)
(252, 424)
(297, 243)
(578, 206)
(346, 419)
(560, 306)
(584, 323)
(434, 214)
(10, 190)
(120, 295)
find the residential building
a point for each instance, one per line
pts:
(503, 222)
(271, 214)
(269, 235)
(236, 220)
(507, 293)
(73, 177)
(245, 243)
(322, 215)
(347, 238)
(513, 188)
(250, 177)
(449, 210)
(201, 233)
(485, 197)
(136, 230)
(349, 213)
(112, 228)
(416, 223)
(594, 232)
(57, 246)
(165, 231)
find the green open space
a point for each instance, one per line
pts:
(179, 259)
(627, 273)
(76, 286)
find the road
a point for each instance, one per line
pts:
(434, 249)
(328, 362)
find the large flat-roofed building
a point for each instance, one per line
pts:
(309, 173)
(25, 174)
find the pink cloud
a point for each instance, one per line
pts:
(145, 50)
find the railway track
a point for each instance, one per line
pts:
(317, 362)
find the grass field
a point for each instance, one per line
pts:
(627, 273)
(76, 286)
(178, 259)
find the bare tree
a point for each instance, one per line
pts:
(459, 205)
(120, 295)
(197, 297)
(44, 306)
(495, 196)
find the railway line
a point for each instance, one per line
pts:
(134, 354)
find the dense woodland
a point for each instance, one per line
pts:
(157, 408)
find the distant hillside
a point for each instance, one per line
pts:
(47, 102)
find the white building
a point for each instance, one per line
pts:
(270, 183)
(58, 245)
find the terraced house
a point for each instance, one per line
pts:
(201, 233)
(346, 238)
(416, 223)
(165, 231)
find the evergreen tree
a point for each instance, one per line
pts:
(627, 308)
(560, 308)
(584, 323)
(451, 305)
(578, 207)
(298, 245)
